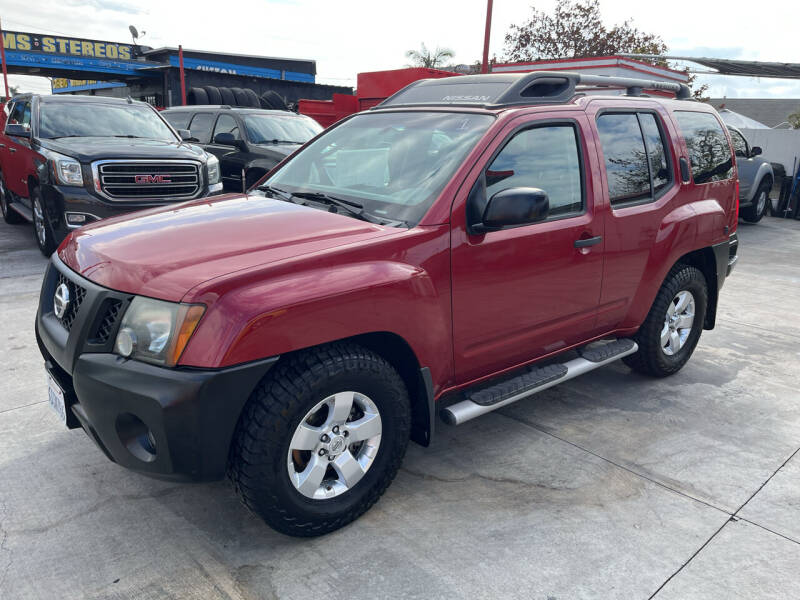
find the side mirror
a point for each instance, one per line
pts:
(514, 206)
(227, 139)
(755, 151)
(186, 135)
(18, 130)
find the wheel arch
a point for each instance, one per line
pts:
(398, 353)
(705, 261)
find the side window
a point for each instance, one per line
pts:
(739, 143)
(227, 124)
(20, 113)
(542, 157)
(709, 152)
(626, 157)
(201, 126)
(636, 159)
(656, 152)
(179, 120)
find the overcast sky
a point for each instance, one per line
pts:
(350, 36)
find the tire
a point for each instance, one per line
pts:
(42, 229)
(272, 100)
(197, 96)
(252, 98)
(10, 216)
(214, 96)
(654, 357)
(262, 453)
(754, 212)
(241, 97)
(227, 96)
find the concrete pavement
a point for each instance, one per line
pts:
(610, 486)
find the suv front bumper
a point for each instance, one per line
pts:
(171, 423)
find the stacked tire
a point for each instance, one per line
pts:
(243, 97)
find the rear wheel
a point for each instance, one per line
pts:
(41, 224)
(754, 212)
(670, 333)
(321, 439)
(9, 214)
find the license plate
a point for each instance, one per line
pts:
(56, 397)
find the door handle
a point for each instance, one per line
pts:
(585, 243)
(2, 145)
(12, 149)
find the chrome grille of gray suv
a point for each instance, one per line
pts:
(140, 180)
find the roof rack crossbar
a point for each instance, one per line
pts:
(500, 90)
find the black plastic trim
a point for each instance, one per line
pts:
(423, 431)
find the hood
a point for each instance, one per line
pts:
(165, 252)
(276, 152)
(87, 149)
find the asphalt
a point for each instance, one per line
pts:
(612, 485)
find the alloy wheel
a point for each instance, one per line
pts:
(678, 323)
(334, 445)
(38, 222)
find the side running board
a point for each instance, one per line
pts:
(535, 380)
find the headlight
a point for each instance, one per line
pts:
(67, 170)
(156, 331)
(212, 168)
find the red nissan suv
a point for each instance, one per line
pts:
(467, 243)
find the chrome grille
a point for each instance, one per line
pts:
(76, 294)
(138, 180)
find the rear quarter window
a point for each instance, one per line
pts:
(709, 151)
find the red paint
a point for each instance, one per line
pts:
(183, 79)
(276, 277)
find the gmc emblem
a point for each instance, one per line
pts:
(145, 179)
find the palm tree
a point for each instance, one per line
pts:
(425, 58)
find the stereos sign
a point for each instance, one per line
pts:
(33, 42)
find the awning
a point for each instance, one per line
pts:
(742, 68)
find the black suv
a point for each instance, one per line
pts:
(66, 161)
(248, 141)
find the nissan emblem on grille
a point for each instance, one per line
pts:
(61, 300)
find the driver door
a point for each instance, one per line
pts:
(528, 291)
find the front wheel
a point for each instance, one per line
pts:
(670, 333)
(321, 439)
(41, 224)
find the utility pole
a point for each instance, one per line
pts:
(485, 65)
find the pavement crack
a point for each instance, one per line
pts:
(472, 476)
(94, 507)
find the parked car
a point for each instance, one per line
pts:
(465, 244)
(755, 177)
(66, 161)
(248, 141)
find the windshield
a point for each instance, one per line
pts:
(394, 164)
(61, 119)
(268, 129)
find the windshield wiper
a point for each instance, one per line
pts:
(276, 141)
(276, 192)
(58, 137)
(129, 136)
(354, 208)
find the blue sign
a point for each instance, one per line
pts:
(77, 63)
(234, 69)
(69, 85)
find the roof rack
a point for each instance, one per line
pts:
(193, 106)
(501, 90)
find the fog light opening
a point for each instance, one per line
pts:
(136, 437)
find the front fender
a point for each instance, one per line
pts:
(764, 170)
(318, 302)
